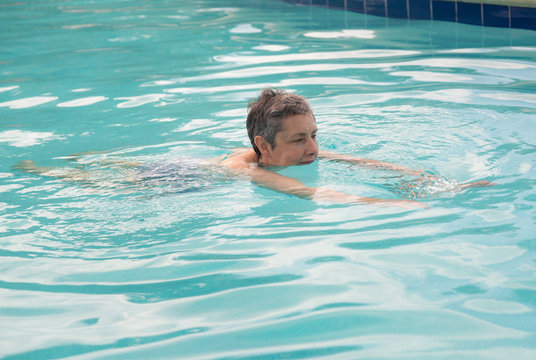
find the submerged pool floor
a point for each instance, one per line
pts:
(95, 267)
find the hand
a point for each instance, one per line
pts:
(482, 183)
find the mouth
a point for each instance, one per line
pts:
(306, 162)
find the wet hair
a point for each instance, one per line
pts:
(265, 114)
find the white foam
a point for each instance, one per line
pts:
(79, 26)
(232, 113)
(245, 29)
(316, 56)
(10, 187)
(135, 101)
(163, 119)
(90, 100)
(356, 34)
(496, 307)
(429, 76)
(178, 17)
(271, 47)
(8, 88)
(282, 83)
(530, 98)
(28, 102)
(20, 138)
(524, 167)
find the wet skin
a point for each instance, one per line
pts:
(296, 144)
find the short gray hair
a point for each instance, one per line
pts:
(265, 114)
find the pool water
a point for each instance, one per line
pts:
(98, 268)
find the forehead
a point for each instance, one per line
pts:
(299, 123)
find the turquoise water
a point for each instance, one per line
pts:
(101, 269)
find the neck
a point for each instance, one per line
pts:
(260, 160)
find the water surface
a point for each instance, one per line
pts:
(95, 269)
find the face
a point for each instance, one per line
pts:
(296, 144)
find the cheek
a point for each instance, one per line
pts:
(289, 153)
(298, 152)
(295, 149)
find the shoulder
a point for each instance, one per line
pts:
(241, 158)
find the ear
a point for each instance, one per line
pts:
(263, 146)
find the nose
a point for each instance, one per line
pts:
(312, 146)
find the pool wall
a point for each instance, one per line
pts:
(501, 13)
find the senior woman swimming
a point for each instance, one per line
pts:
(282, 130)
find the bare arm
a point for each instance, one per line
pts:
(244, 162)
(284, 184)
(382, 165)
(375, 164)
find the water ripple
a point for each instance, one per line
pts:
(95, 266)
(316, 56)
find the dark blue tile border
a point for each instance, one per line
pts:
(299, 2)
(336, 4)
(496, 15)
(323, 3)
(443, 10)
(397, 9)
(419, 9)
(470, 13)
(356, 5)
(523, 17)
(375, 7)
